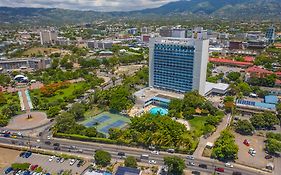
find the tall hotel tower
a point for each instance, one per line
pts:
(179, 64)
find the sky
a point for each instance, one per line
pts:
(98, 5)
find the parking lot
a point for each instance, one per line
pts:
(53, 166)
(256, 142)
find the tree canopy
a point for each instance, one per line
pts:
(264, 121)
(244, 127)
(175, 165)
(225, 147)
(131, 161)
(102, 158)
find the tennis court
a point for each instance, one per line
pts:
(106, 120)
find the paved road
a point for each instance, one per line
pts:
(90, 147)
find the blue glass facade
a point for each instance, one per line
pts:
(173, 67)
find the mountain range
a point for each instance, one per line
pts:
(224, 9)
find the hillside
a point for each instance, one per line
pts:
(230, 9)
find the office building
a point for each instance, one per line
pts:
(178, 33)
(270, 34)
(48, 37)
(132, 31)
(165, 32)
(178, 64)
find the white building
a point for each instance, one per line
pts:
(48, 37)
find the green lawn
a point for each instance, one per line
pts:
(197, 125)
(11, 98)
(60, 94)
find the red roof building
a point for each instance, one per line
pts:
(229, 62)
(249, 59)
(259, 72)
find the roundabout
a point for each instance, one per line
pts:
(28, 121)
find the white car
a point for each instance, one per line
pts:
(152, 162)
(38, 140)
(155, 152)
(191, 163)
(51, 158)
(252, 151)
(190, 157)
(49, 137)
(228, 165)
(72, 162)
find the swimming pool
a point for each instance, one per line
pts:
(158, 110)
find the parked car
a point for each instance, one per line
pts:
(58, 159)
(252, 152)
(52, 158)
(27, 154)
(122, 154)
(246, 142)
(195, 172)
(219, 169)
(80, 163)
(268, 157)
(33, 167)
(8, 170)
(72, 162)
(62, 160)
(152, 162)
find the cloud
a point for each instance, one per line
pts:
(99, 5)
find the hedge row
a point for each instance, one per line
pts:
(85, 138)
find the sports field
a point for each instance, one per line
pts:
(106, 120)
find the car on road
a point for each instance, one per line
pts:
(171, 151)
(144, 156)
(152, 162)
(246, 142)
(219, 169)
(38, 141)
(121, 154)
(203, 166)
(227, 164)
(191, 163)
(8, 170)
(155, 152)
(56, 148)
(72, 162)
(190, 157)
(47, 142)
(49, 137)
(56, 144)
(52, 158)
